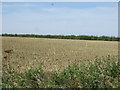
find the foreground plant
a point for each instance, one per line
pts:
(98, 73)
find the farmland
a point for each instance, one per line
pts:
(52, 55)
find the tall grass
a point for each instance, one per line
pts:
(98, 73)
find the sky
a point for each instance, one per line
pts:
(60, 0)
(60, 18)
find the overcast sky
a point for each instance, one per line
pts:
(61, 18)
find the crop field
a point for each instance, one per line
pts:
(53, 55)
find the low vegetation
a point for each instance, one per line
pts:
(80, 37)
(98, 73)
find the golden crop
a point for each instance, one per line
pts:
(52, 54)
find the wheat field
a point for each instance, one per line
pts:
(51, 54)
(40, 62)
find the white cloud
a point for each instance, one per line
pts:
(51, 9)
(23, 5)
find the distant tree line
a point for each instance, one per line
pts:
(79, 37)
